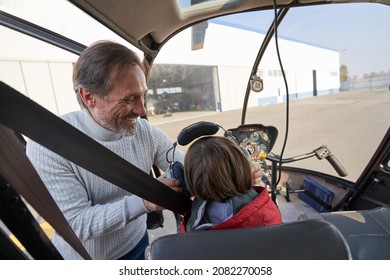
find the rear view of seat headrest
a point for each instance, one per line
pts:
(301, 240)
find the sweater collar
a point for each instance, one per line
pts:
(96, 131)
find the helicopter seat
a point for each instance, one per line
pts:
(367, 232)
(313, 240)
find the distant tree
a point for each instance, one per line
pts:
(373, 75)
(343, 73)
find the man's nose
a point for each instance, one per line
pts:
(139, 108)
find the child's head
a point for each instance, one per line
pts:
(216, 168)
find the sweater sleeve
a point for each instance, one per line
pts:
(67, 186)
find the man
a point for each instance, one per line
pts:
(110, 84)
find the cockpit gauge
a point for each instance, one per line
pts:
(255, 137)
(250, 148)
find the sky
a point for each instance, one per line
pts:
(361, 35)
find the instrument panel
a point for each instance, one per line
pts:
(256, 138)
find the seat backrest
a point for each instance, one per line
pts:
(367, 232)
(300, 240)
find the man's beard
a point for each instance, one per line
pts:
(117, 126)
(122, 130)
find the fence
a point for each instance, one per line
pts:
(367, 83)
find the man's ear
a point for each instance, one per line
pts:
(88, 98)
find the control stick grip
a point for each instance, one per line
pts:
(337, 165)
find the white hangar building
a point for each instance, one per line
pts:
(44, 72)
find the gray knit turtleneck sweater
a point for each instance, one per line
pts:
(108, 220)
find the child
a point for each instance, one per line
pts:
(218, 174)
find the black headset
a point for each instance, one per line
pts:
(199, 129)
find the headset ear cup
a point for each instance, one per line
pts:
(176, 171)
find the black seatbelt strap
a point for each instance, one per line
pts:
(21, 114)
(19, 172)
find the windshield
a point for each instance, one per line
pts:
(337, 76)
(331, 61)
(324, 79)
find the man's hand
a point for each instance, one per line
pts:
(170, 182)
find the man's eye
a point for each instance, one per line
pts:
(130, 99)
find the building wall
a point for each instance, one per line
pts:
(299, 60)
(47, 83)
(232, 85)
(45, 75)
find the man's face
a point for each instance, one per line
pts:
(119, 109)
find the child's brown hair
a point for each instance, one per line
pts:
(216, 168)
